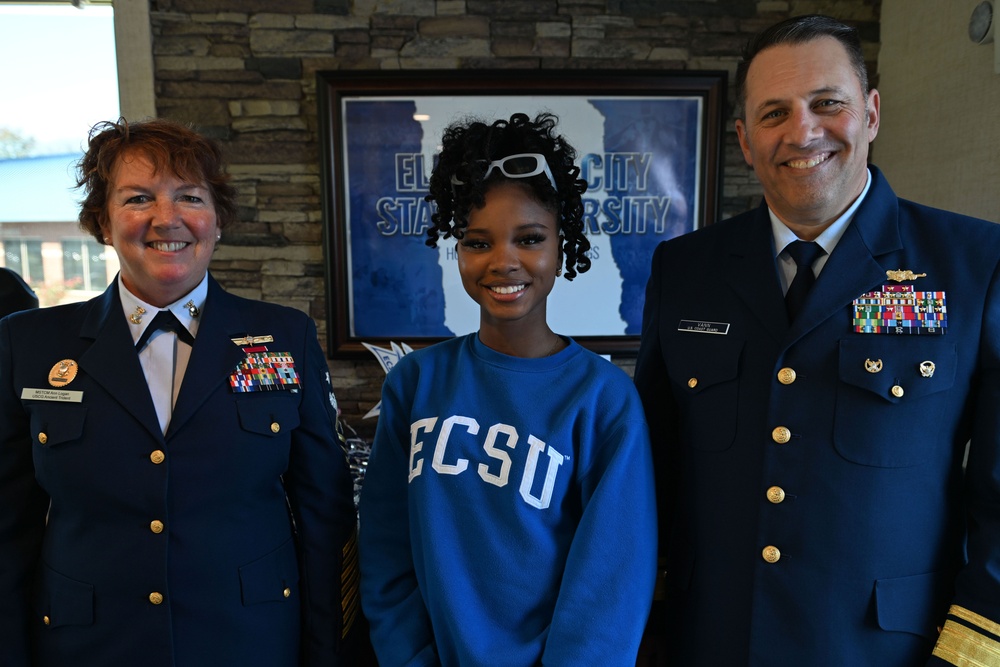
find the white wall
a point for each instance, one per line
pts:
(939, 142)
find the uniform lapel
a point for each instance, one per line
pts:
(752, 274)
(853, 269)
(111, 359)
(214, 356)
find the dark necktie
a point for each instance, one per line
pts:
(166, 321)
(804, 253)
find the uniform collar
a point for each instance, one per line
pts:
(139, 314)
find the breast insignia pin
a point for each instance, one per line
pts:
(252, 340)
(873, 366)
(63, 373)
(904, 274)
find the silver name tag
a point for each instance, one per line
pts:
(61, 395)
(699, 326)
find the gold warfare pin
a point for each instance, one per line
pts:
(63, 373)
(903, 274)
(252, 340)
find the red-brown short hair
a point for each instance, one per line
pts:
(168, 145)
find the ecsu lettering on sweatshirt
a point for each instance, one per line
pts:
(498, 444)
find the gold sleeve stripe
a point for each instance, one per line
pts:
(963, 646)
(349, 578)
(974, 618)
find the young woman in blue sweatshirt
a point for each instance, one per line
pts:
(508, 514)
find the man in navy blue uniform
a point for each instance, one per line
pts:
(828, 461)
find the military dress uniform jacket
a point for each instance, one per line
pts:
(814, 505)
(217, 544)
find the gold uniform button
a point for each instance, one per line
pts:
(781, 435)
(287, 592)
(156, 598)
(46, 620)
(897, 391)
(786, 376)
(157, 457)
(43, 438)
(776, 494)
(693, 382)
(156, 526)
(771, 554)
(275, 427)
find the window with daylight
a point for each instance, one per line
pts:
(46, 112)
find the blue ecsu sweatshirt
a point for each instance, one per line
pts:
(508, 511)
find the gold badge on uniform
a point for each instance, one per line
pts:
(900, 275)
(63, 373)
(248, 340)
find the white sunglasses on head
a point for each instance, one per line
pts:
(521, 165)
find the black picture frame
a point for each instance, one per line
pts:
(385, 285)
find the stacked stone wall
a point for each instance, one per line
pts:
(244, 71)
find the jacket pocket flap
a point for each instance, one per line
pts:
(706, 361)
(63, 601)
(271, 416)
(273, 577)
(58, 423)
(881, 363)
(915, 604)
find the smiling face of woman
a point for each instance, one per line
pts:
(508, 259)
(163, 227)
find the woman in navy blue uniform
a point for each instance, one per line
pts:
(172, 497)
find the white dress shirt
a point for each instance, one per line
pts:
(165, 357)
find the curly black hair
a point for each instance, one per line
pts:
(467, 149)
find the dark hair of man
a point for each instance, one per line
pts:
(467, 149)
(167, 145)
(797, 30)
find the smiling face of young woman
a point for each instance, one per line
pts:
(508, 258)
(164, 229)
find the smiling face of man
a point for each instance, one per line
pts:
(806, 131)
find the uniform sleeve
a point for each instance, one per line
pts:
(22, 518)
(652, 381)
(971, 633)
(321, 497)
(401, 630)
(607, 585)
(654, 389)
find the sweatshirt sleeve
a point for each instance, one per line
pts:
(401, 631)
(607, 586)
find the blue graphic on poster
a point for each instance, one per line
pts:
(640, 157)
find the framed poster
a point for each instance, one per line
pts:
(649, 145)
